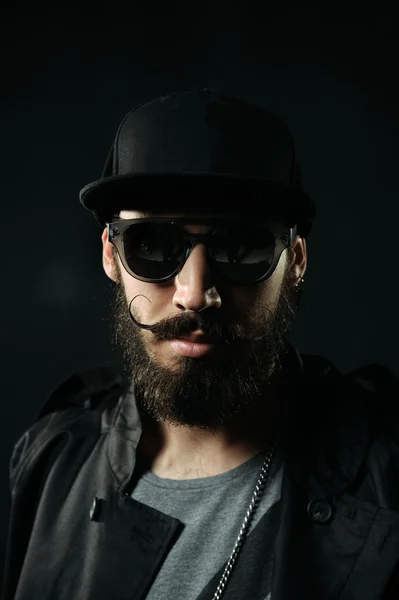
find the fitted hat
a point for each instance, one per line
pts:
(201, 151)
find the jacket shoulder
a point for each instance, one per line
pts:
(374, 378)
(76, 398)
(85, 389)
(372, 386)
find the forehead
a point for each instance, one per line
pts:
(249, 218)
(196, 222)
(135, 214)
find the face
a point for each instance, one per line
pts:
(201, 349)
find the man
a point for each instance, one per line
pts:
(222, 462)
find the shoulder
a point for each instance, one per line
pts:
(78, 402)
(85, 389)
(371, 379)
(369, 391)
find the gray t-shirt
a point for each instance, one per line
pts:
(212, 510)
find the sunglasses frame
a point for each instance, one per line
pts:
(283, 234)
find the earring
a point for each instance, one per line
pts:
(298, 286)
(298, 291)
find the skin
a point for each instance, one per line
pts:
(185, 452)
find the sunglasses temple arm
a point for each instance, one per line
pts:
(293, 233)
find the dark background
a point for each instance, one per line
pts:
(67, 80)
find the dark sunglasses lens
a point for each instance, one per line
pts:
(244, 256)
(153, 251)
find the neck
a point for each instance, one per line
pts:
(181, 452)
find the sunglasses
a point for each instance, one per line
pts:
(243, 251)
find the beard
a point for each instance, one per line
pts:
(205, 392)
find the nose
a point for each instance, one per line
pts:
(194, 290)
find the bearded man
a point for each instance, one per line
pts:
(219, 461)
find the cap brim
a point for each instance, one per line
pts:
(193, 192)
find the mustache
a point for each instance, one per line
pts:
(209, 321)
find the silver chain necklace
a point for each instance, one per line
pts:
(259, 487)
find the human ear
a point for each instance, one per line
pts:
(109, 263)
(299, 258)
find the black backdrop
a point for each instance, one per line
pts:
(68, 78)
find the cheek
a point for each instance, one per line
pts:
(249, 297)
(241, 302)
(148, 301)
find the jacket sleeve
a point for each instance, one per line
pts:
(34, 454)
(392, 590)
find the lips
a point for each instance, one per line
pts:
(195, 345)
(200, 338)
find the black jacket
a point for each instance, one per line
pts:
(75, 532)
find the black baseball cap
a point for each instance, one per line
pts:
(201, 151)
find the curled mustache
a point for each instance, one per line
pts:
(208, 321)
